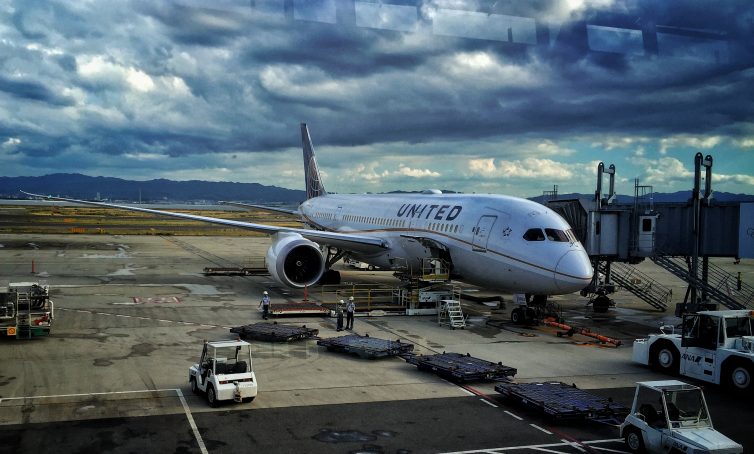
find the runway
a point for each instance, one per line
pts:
(132, 313)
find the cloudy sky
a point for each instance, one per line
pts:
(477, 96)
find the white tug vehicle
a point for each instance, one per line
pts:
(224, 372)
(671, 416)
(713, 346)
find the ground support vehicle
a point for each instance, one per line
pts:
(26, 310)
(224, 372)
(671, 416)
(360, 265)
(560, 401)
(713, 346)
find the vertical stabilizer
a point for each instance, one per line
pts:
(314, 186)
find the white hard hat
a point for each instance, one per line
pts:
(264, 292)
(341, 301)
(350, 298)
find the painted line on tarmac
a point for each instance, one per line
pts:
(87, 394)
(540, 428)
(548, 450)
(564, 437)
(177, 391)
(610, 450)
(573, 444)
(514, 415)
(539, 447)
(180, 322)
(488, 402)
(186, 408)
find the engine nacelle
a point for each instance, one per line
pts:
(294, 261)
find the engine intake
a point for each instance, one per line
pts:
(294, 261)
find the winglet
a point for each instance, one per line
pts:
(314, 186)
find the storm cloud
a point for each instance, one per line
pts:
(464, 95)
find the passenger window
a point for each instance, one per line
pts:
(534, 235)
(556, 235)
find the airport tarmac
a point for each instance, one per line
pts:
(132, 313)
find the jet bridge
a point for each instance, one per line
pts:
(676, 236)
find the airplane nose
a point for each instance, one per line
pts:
(573, 271)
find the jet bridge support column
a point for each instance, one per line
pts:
(707, 163)
(699, 161)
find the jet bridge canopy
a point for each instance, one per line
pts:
(619, 232)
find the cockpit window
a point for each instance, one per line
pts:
(534, 235)
(557, 235)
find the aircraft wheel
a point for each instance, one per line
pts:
(530, 315)
(601, 304)
(633, 439)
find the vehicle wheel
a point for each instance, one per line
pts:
(370, 268)
(248, 399)
(211, 396)
(517, 316)
(634, 440)
(665, 358)
(194, 386)
(739, 376)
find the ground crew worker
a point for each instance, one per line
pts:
(265, 303)
(350, 309)
(339, 315)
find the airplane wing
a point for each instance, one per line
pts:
(427, 242)
(347, 241)
(261, 207)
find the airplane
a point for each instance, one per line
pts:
(497, 242)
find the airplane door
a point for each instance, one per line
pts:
(482, 233)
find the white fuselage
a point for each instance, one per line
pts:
(492, 240)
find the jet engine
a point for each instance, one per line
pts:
(294, 261)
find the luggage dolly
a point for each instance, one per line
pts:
(274, 332)
(560, 401)
(365, 346)
(457, 367)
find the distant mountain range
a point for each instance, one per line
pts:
(79, 186)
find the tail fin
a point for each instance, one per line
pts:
(314, 186)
